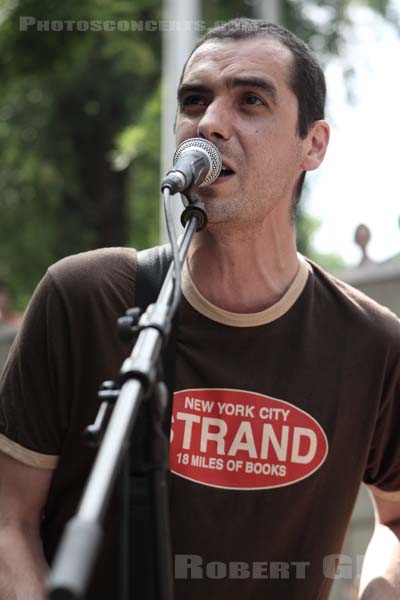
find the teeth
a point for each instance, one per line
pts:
(225, 171)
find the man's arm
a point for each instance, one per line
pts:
(380, 577)
(23, 493)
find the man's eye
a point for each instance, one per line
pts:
(193, 100)
(252, 100)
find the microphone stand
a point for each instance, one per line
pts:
(138, 381)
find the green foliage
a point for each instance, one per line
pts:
(220, 10)
(307, 226)
(65, 98)
(139, 145)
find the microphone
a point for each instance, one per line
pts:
(197, 162)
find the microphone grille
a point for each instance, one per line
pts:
(210, 150)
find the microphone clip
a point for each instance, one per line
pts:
(194, 208)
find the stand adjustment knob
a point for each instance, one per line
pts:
(108, 391)
(128, 324)
(108, 394)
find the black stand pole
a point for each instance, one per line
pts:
(138, 378)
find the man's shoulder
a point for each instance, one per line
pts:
(110, 273)
(94, 263)
(93, 274)
(357, 309)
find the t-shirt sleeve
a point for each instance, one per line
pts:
(33, 414)
(383, 469)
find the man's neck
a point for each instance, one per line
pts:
(243, 273)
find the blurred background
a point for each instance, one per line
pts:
(86, 115)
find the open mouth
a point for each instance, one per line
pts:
(225, 171)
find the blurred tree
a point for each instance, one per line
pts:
(65, 96)
(139, 146)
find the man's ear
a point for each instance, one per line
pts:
(316, 144)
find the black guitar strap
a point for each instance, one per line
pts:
(152, 267)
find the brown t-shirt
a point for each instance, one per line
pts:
(277, 418)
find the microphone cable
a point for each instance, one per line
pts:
(171, 230)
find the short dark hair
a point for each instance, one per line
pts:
(307, 80)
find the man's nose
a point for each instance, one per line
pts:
(216, 122)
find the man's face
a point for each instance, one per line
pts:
(236, 94)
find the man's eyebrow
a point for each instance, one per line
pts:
(256, 82)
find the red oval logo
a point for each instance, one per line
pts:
(242, 440)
